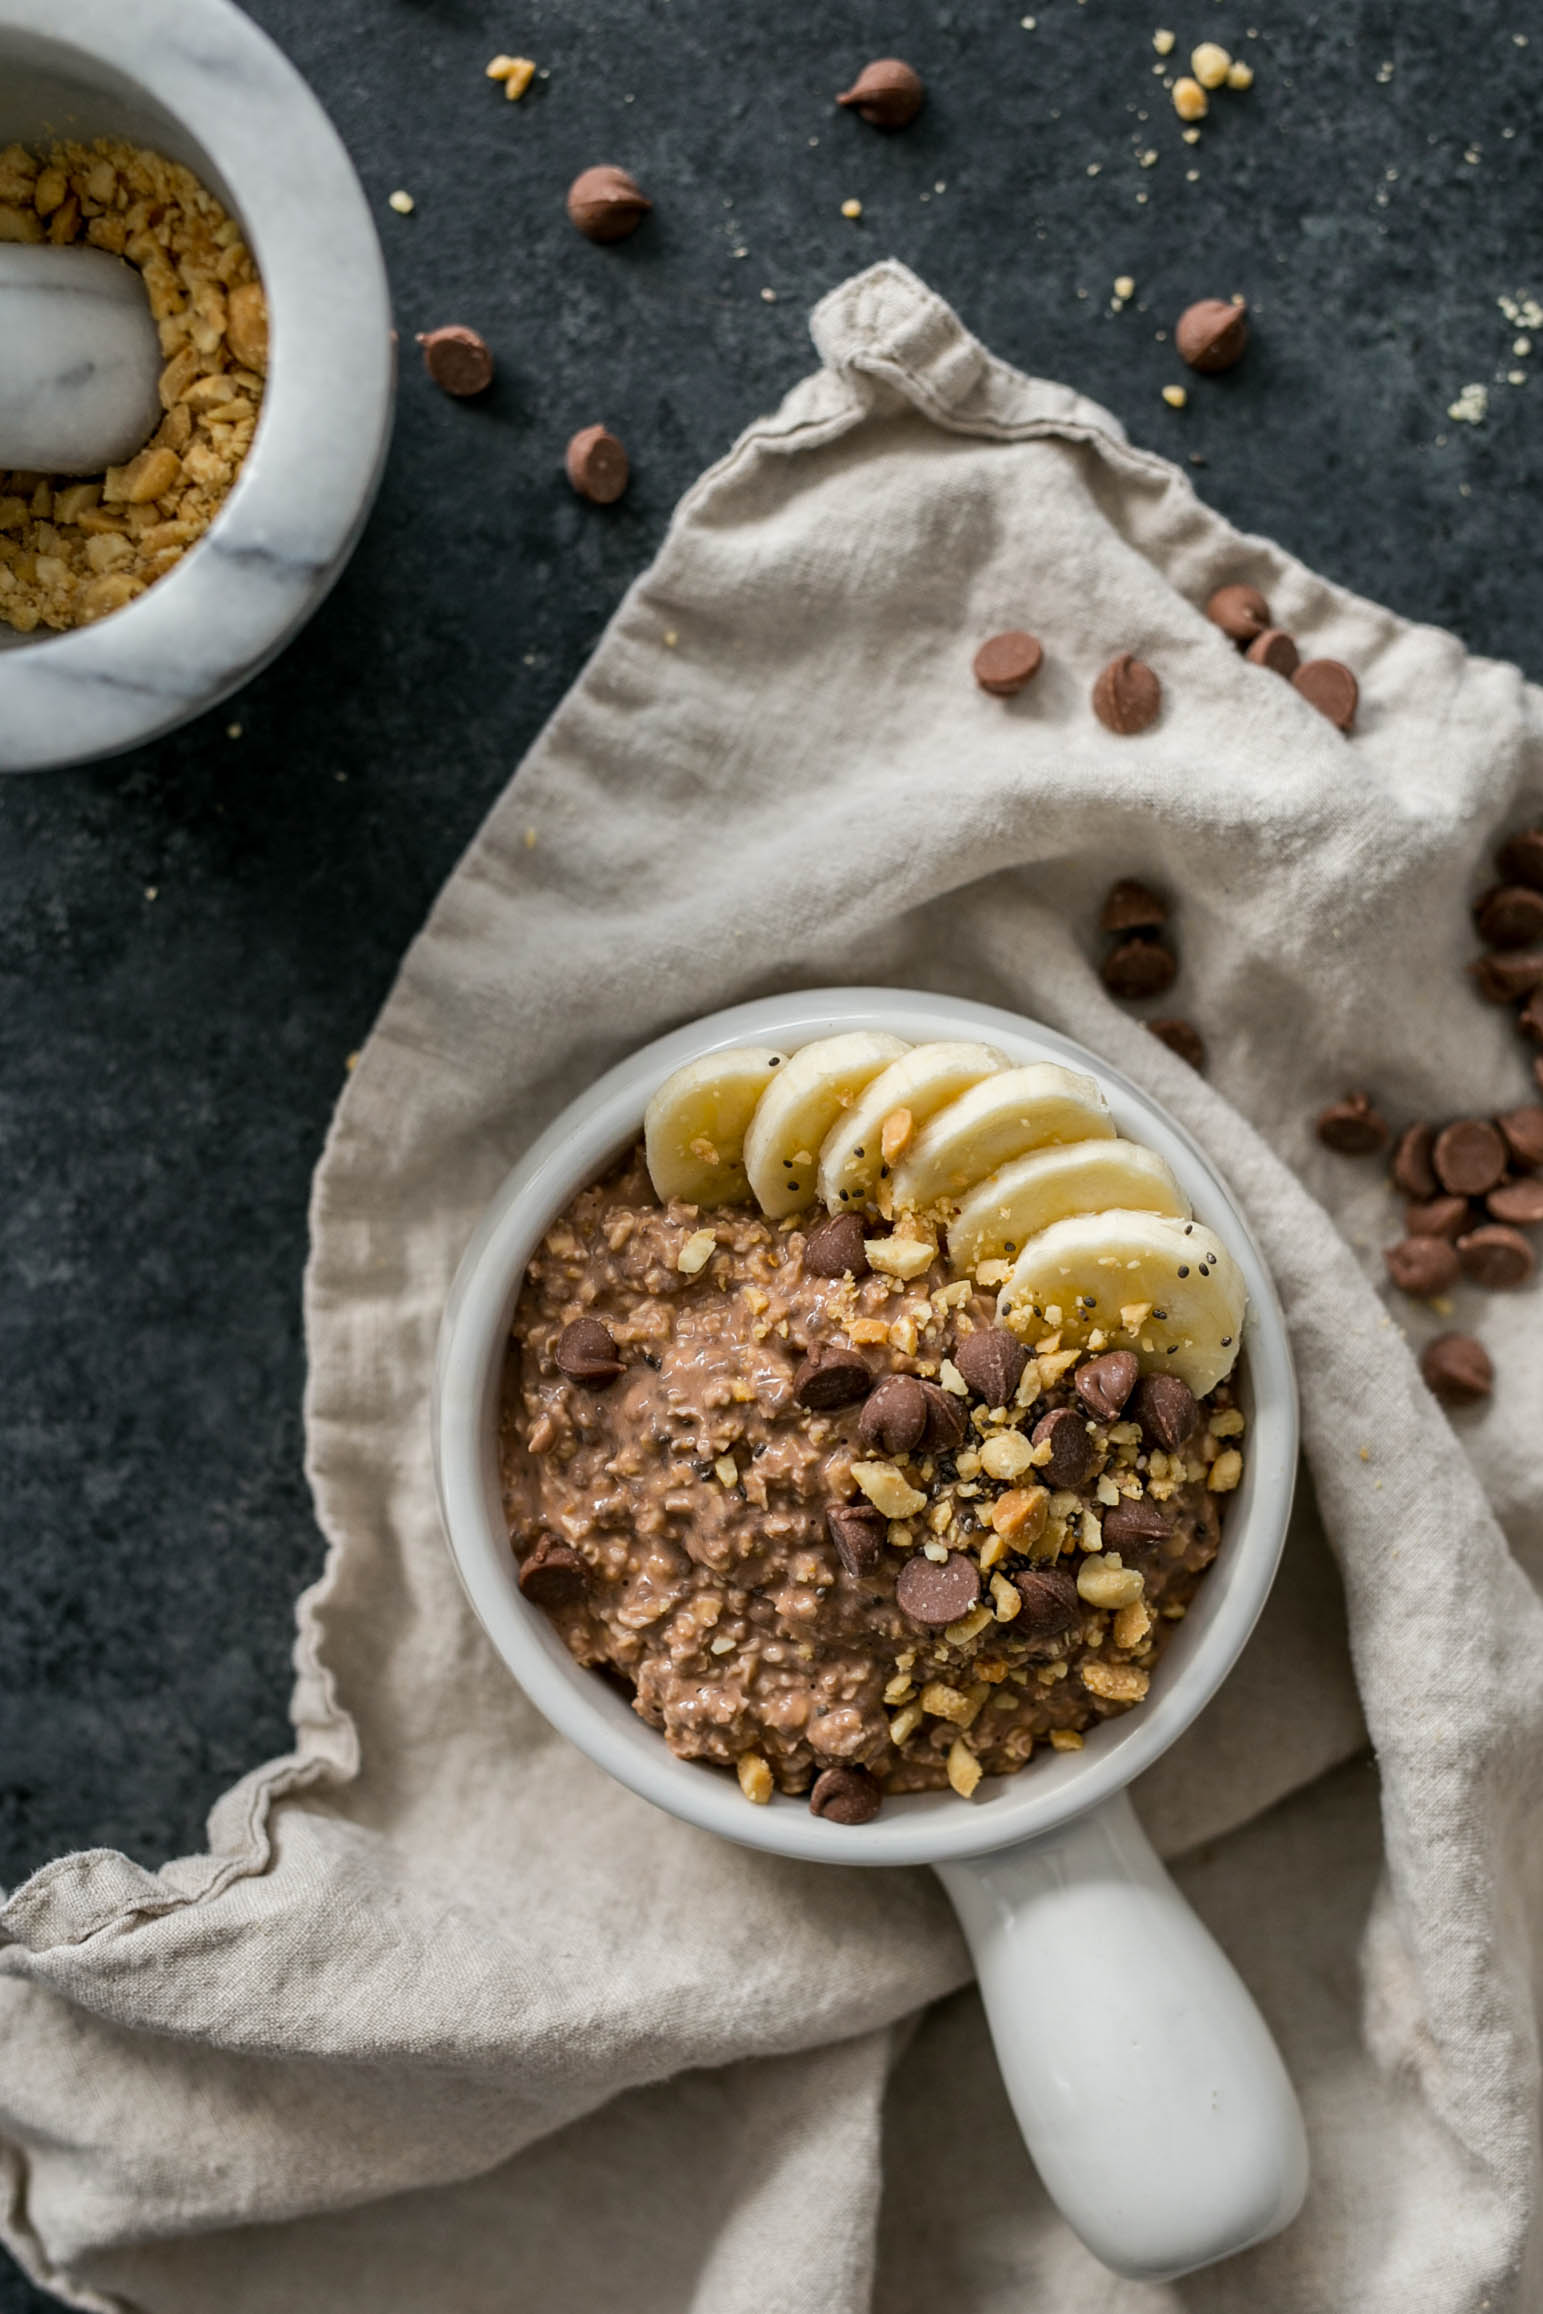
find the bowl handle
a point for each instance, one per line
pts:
(1148, 2089)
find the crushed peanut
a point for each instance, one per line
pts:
(1103, 1582)
(755, 1778)
(1116, 1682)
(964, 1769)
(888, 1489)
(1210, 64)
(1190, 101)
(1006, 1455)
(900, 1257)
(1226, 1471)
(696, 1253)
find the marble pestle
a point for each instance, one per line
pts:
(79, 360)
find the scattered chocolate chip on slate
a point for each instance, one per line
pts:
(937, 1591)
(1071, 1449)
(1167, 1410)
(1522, 1132)
(947, 1421)
(887, 94)
(858, 1532)
(553, 1574)
(835, 1246)
(1130, 906)
(1436, 1217)
(992, 1363)
(1005, 663)
(1135, 1526)
(845, 1795)
(1502, 979)
(1509, 915)
(831, 1376)
(1422, 1265)
(1496, 1257)
(1127, 696)
(1274, 649)
(1050, 1602)
(1412, 1169)
(1518, 1202)
(1469, 1157)
(1139, 968)
(1211, 334)
(596, 465)
(1352, 1127)
(457, 359)
(1520, 858)
(1457, 1369)
(1103, 1384)
(1329, 685)
(894, 1415)
(1181, 1037)
(606, 203)
(586, 1352)
(1239, 611)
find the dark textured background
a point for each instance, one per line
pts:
(168, 1063)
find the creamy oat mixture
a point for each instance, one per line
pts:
(841, 1530)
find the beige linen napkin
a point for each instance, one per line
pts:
(445, 2019)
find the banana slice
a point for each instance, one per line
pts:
(694, 1127)
(1004, 1211)
(1167, 1289)
(903, 1096)
(800, 1107)
(1003, 1117)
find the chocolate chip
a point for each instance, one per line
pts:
(1469, 1157)
(1274, 649)
(1071, 1449)
(1007, 662)
(1130, 906)
(1050, 1602)
(887, 94)
(1412, 1169)
(1181, 1037)
(1167, 1410)
(1502, 979)
(835, 1246)
(1239, 611)
(830, 1376)
(1457, 1369)
(1520, 1202)
(1211, 335)
(553, 1574)
(1135, 1526)
(457, 359)
(1422, 1265)
(1436, 1217)
(937, 1591)
(1352, 1127)
(1530, 1019)
(1520, 858)
(1522, 1132)
(1103, 1384)
(1127, 697)
(858, 1532)
(845, 1795)
(1329, 685)
(1509, 915)
(946, 1420)
(992, 1363)
(894, 1415)
(1139, 968)
(606, 204)
(1496, 1257)
(586, 1352)
(596, 465)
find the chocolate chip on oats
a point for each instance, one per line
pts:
(1515, 973)
(553, 1574)
(457, 359)
(1436, 1217)
(1050, 1602)
(992, 1363)
(1457, 1369)
(947, 1421)
(1520, 858)
(606, 203)
(586, 1352)
(1239, 611)
(1469, 1157)
(1181, 1037)
(845, 1795)
(1139, 968)
(1329, 685)
(596, 465)
(1211, 334)
(1413, 1172)
(1103, 1384)
(857, 1531)
(1352, 1127)
(1127, 697)
(831, 1375)
(835, 1246)
(1422, 1265)
(1518, 1202)
(1071, 1449)
(887, 94)
(1522, 1132)
(937, 1591)
(1509, 915)
(1005, 663)
(1167, 1410)
(1130, 906)
(1496, 1257)
(1274, 649)
(1135, 1526)
(894, 1415)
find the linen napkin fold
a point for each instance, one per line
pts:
(442, 2016)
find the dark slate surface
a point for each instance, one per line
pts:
(167, 1064)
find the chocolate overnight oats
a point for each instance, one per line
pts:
(849, 1501)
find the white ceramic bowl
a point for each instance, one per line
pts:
(197, 80)
(1147, 2086)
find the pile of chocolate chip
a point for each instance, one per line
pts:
(1141, 963)
(1327, 684)
(1509, 918)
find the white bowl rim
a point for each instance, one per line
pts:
(913, 1828)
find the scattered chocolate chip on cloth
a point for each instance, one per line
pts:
(444, 2017)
